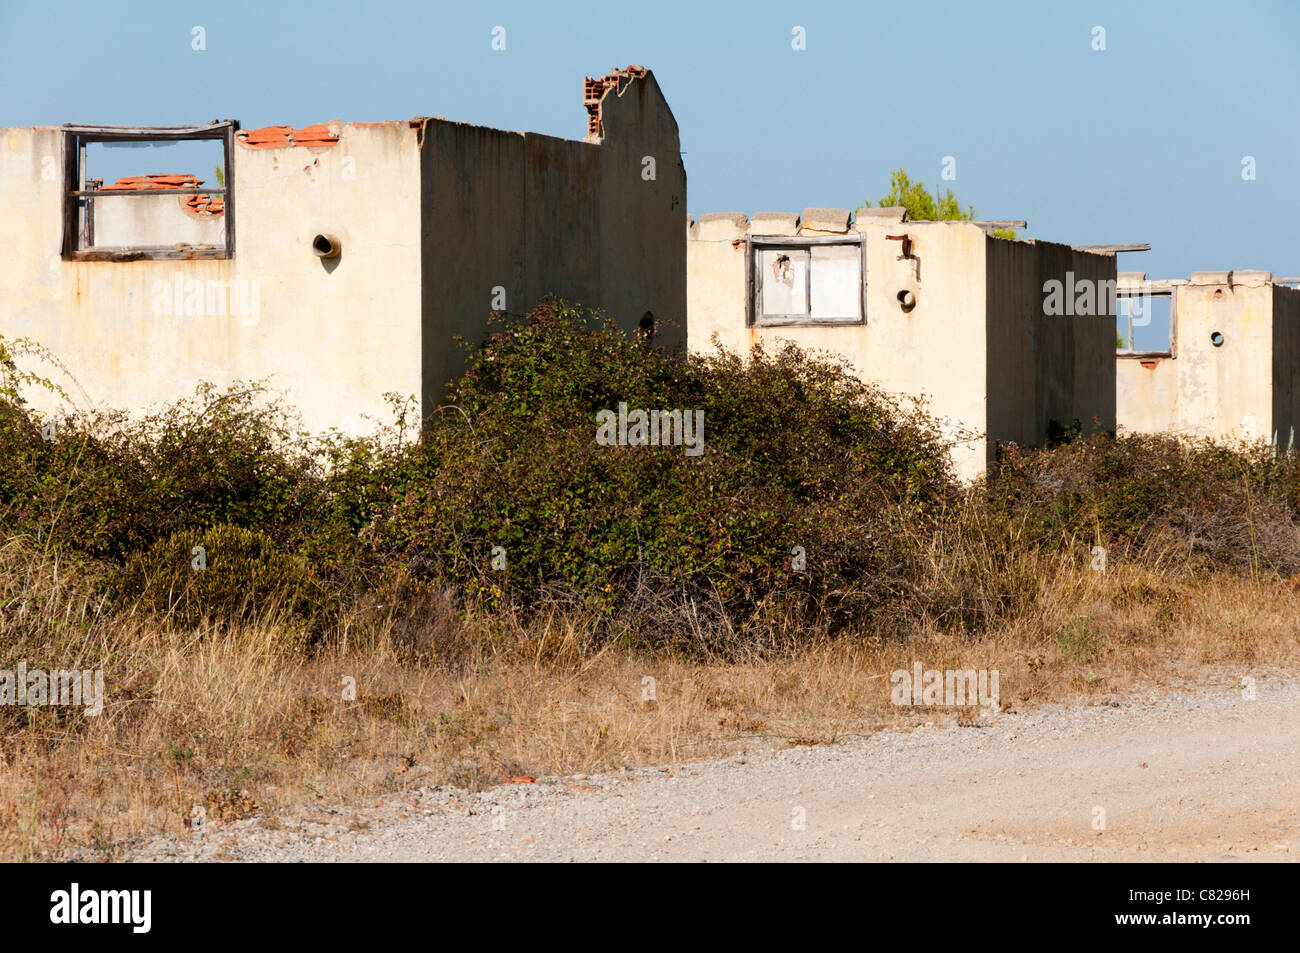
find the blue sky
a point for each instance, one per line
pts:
(1143, 141)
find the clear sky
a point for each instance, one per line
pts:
(1141, 141)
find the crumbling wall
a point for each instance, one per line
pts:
(509, 217)
(642, 204)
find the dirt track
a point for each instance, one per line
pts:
(1205, 776)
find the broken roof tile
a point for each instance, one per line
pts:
(316, 136)
(201, 204)
(154, 180)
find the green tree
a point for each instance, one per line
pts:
(922, 206)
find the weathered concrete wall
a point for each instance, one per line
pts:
(533, 215)
(1046, 373)
(500, 210)
(642, 245)
(1241, 389)
(334, 335)
(1286, 365)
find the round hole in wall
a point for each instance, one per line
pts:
(1217, 339)
(325, 246)
(1218, 293)
(906, 300)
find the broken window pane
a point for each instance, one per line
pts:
(783, 274)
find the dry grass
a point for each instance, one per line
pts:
(241, 721)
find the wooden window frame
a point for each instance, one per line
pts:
(75, 193)
(754, 318)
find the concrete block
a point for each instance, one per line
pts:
(721, 226)
(825, 220)
(774, 223)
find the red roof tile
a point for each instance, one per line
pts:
(316, 136)
(155, 181)
(202, 204)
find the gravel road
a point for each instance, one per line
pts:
(1190, 776)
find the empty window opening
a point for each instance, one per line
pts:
(806, 281)
(134, 193)
(1144, 323)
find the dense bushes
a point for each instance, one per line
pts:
(224, 574)
(815, 499)
(795, 454)
(1222, 504)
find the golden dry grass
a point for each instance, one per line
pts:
(239, 720)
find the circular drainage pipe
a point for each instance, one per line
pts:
(326, 246)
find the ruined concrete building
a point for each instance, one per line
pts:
(1216, 355)
(941, 310)
(339, 260)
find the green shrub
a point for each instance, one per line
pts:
(797, 452)
(1224, 504)
(224, 574)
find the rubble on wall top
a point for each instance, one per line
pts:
(719, 226)
(722, 226)
(317, 136)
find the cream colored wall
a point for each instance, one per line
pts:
(936, 352)
(1225, 391)
(1222, 392)
(334, 337)
(1146, 395)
